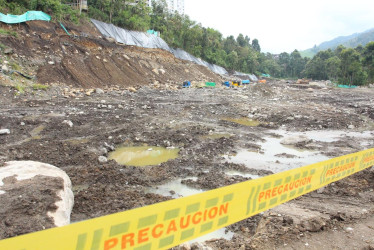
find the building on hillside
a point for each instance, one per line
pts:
(173, 5)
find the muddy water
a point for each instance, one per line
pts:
(143, 156)
(277, 157)
(174, 189)
(234, 172)
(243, 121)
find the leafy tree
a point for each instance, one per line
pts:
(256, 45)
(351, 68)
(368, 60)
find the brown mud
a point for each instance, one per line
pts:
(39, 121)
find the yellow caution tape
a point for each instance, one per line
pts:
(170, 223)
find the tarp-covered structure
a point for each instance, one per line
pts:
(28, 16)
(146, 40)
(245, 76)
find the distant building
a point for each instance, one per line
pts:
(173, 5)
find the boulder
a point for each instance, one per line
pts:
(33, 196)
(4, 131)
(293, 140)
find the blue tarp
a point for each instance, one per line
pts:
(28, 16)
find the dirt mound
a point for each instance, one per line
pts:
(86, 60)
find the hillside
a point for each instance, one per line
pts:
(87, 60)
(350, 41)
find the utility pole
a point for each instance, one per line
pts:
(80, 7)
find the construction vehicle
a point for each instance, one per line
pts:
(235, 83)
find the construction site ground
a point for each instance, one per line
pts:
(70, 125)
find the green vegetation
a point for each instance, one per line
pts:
(56, 8)
(14, 66)
(346, 65)
(38, 86)
(8, 32)
(351, 41)
(20, 88)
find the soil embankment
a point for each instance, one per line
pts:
(72, 131)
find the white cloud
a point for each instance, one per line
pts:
(284, 25)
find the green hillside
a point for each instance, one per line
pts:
(351, 41)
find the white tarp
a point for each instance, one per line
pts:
(145, 40)
(251, 77)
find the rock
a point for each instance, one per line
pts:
(155, 71)
(99, 91)
(4, 69)
(184, 246)
(103, 151)
(162, 71)
(8, 51)
(69, 123)
(293, 140)
(33, 196)
(200, 246)
(51, 62)
(132, 89)
(102, 159)
(349, 229)
(351, 126)
(22, 124)
(4, 131)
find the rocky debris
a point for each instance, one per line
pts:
(34, 196)
(294, 140)
(4, 131)
(102, 159)
(99, 91)
(5, 69)
(302, 81)
(69, 123)
(8, 51)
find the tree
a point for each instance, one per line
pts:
(256, 45)
(368, 60)
(351, 68)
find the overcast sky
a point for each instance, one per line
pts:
(284, 25)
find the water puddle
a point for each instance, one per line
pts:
(277, 157)
(175, 189)
(77, 141)
(246, 175)
(143, 156)
(35, 133)
(243, 121)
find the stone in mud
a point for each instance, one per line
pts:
(34, 196)
(103, 159)
(99, 91)
(293, 140)
(4, 131)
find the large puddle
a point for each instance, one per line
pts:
(277, 157)
(143, 156)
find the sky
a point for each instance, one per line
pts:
(284, 25)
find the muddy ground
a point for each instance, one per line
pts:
(184, 119)
(70, 125)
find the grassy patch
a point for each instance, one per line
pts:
(14, 66)
(20, 88)
(38, 86)
(8, 33)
